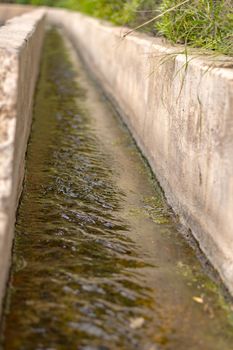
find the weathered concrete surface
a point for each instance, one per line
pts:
(20, 45)
(182, 118)
(7, 11)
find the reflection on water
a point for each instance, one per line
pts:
(80, 280)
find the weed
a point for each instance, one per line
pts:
(204, 24)
(200, 23)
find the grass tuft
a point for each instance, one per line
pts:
(199, 23)
(204, 24)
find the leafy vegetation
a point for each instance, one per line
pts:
(199, 23)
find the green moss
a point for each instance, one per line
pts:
(71, 245)
(80, 273)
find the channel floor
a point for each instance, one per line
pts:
(98, 259)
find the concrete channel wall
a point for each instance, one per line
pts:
(181, 116)
(8, 11)
(20, 46)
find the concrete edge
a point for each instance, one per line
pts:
(164, 106)
(176, 113)
(20, 46)
(8, 11)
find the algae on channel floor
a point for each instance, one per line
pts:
(98, 261)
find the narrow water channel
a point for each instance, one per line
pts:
(98, 262)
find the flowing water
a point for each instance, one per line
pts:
(98, 262)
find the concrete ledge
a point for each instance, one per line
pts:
(20, 45)
(182, 118)
(8, 11)
(180, 115)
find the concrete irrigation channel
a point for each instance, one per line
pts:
(100, 260)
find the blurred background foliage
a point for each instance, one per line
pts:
(199, 23)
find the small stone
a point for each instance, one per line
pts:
(198, 300)
(136, 322)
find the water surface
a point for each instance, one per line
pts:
(98, 261)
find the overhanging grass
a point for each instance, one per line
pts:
(204, 24)
(201, 23)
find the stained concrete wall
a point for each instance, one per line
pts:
(180, 115)
(20, 45)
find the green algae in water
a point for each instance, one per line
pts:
(73, 260)
(81, 279)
